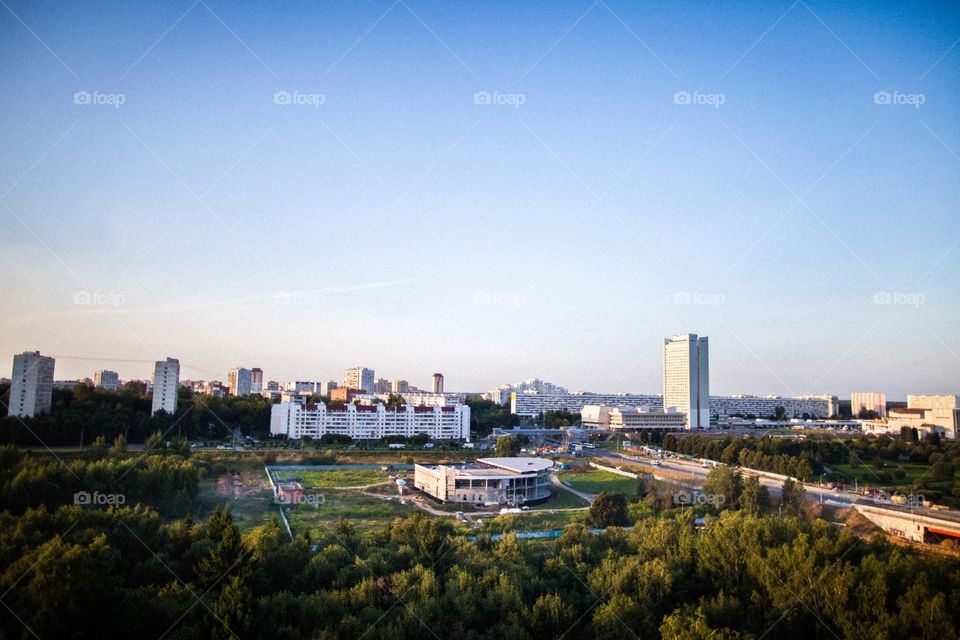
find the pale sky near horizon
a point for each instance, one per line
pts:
(497, 191)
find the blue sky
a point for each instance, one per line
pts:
(386, 218)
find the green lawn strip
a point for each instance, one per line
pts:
(600, 481)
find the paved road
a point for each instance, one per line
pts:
(814, 491)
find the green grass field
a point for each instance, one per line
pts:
(316, 479)
(597, 481)
(365, 513)
(533, 521)
(561, 499)
(865, 474)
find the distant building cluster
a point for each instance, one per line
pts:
(503, 393)
(926, 414)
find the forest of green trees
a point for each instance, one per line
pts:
(125, 571)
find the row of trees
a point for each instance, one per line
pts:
(84, 413)
(123, 573)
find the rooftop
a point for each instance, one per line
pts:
(517, 465)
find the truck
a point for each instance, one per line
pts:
(397, 445)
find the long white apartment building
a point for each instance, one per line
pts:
(31, 385)
(297, 420)
(427, 399)
(166, 385)
(531, 405)
(822, 406)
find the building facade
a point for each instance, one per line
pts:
(297, 420)
(256, 380)
(868, 401)
(630, 418)
(105, 379)
(488, 481)
(942, 411)
(166, 385)
(438, 383)
(240, 381)
(686, 378)
(359, 378)
(31, 384)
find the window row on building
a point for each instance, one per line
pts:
(298, 420)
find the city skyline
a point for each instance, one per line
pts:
(528, 181)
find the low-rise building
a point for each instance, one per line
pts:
(629, 418)
(926, 414)
(507, 481)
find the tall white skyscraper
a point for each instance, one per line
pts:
(240, 381)
(686, 378)
(31, 384)
(166, 385)
(359, 378)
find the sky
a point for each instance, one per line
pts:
(497, 191)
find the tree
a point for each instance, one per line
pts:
(792, 497)
(755, 499)
(233, 610)
(780, 413)
(507, 447)
(608, 510)
(723, 486)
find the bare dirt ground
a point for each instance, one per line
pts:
(242, 484)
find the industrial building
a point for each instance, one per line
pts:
(488, 481)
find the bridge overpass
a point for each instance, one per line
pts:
(913, 523)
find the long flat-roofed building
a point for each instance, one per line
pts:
(630, 418)
(510, 481)
(370, 422)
